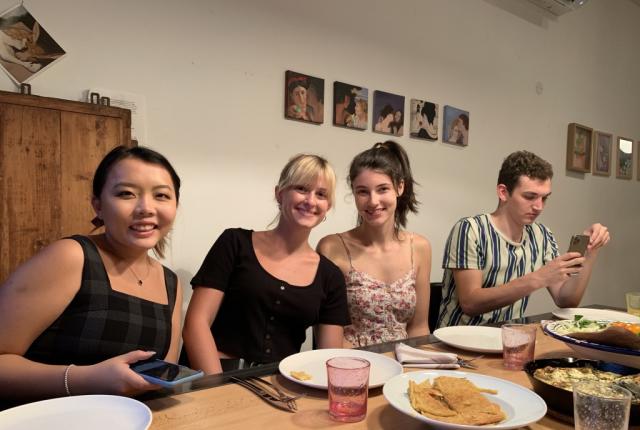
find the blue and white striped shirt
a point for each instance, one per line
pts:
(475, 243)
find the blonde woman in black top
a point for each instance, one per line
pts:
(258, 291)
(76, 315)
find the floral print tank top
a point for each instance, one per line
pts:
(379, 311)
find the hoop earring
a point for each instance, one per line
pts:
(324, 219)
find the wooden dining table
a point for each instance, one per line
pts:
(227, 405)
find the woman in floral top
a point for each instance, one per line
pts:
(386, 268)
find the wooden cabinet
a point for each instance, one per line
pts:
(49, 149)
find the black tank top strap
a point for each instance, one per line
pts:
(93, 269)
(171, 283)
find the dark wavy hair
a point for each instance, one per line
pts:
(391, 159)
(521, 163)
(139, 153)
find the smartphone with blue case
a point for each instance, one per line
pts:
(165, 374)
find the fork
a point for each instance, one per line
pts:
(265, 395)
(283, 396)
(467, 363)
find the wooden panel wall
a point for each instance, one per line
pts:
(49, 150)
(29, 179)
(87, 138)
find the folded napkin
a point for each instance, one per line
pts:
(414, 357)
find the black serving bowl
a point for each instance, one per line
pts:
(561, 400)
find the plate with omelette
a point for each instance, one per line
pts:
(463, 400)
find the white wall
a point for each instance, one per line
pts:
(213, 76)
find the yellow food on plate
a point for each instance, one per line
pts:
(454, 400)
(300, 375)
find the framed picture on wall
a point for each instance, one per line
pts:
(638, 163)
(424, 120)
(388, 113)
(602, 144)
(303, 97)
(26, 49)
(455, 127)
(579, 148)
(350, 106)
(624, 159)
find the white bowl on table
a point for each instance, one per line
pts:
(596, 351)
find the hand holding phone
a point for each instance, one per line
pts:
(579, 243)
(165, 374)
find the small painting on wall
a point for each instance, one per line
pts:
(424, 120)
(638, 163)
(579, 148)
(304, 97)
(455, 127)
(350, 106)
(26, 49)
(624, 163)
(602, 143)
(388, 113)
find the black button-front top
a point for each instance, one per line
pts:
(261, 318)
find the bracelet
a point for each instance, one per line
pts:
(66, 379)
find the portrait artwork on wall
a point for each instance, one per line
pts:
(424, 120)
(388, 113)
(602, 144)
(26, 49)
(304, 97)
(455, 127)
(624, 159)
(350, 106)
(579, 148)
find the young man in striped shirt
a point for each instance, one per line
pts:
(493, 262)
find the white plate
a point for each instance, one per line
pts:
(95, 412)
(595, 314)
(521, 405)
(313, 363)
(596, 351)
(472, 338)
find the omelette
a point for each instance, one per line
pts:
(454, 400)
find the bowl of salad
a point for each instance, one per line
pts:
(611, 341)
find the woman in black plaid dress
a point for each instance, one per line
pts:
(76, 315)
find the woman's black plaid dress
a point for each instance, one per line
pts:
(101, 323)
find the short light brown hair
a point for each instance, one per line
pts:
(305, 169)
(523, 163)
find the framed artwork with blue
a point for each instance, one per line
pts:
(388, 113)
(455, 127)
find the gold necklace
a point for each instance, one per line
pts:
(138, 278)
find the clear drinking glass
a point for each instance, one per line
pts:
(348, 388)
(600, 406)
(518, 345)
(633, 303)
